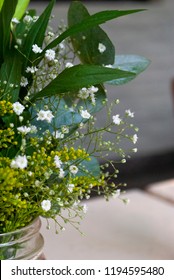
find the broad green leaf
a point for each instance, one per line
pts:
(76, 77)
(86, 43)
(89, 22)
(10, 74)
(36, 34)
(21, 8)
(6, 16)
(92, 166)
(132, 63)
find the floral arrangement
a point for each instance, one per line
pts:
(52, 152)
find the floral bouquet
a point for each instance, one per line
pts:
(53, 154)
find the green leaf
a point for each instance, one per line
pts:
(89, 22)
(36, 34)
(21, 8)
(1, 3)
(10, 74)
(132, 63)
(86, 43)
(76, 77)
(92, 166)
(6, 16)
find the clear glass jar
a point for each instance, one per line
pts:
(23, 244)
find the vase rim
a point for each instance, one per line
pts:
(20, 229)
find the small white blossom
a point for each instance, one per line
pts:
(50, 55)
(18, 108)
(36, 48)
(15, 20)
(45, 116)
(35, 18)
(58, 135)
(135, 138)
(117, 193)
(46, 205)
(24, 82)
(101, 48)
(108, 66)
(129, 113)
(83, 93)
(73, 169)
(19, 162)
(85, 114)
(33, 129)
(21, 118)
(70, 187)
(69, 64)
(126, 201)
(65, 129)
(57, 161)
(24, 129)
(116, 119)
(31, 69)
(27, 19)
(92, 89)
(61, 173)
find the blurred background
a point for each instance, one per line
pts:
(150, 95)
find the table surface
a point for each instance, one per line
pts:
(143, 229)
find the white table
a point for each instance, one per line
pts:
(144, 229)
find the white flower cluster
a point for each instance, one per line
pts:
(45, 115)
(85, 93)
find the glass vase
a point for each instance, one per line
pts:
(23, 244)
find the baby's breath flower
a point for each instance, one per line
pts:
(46, 205)
(27, 19)
(70, 187)
(24, 82)
(69, 64)
(101, 48)
(57, 161)
(116, 119)
(73, 169)
(116, 193)
(83, 93)
(18, 108)
(33, 129)
(24, 129)
(85, 114)
(43, 115)
(61, 173)
(31, 69)
(134, 138)
(15, 20)
(129, 113)
(36, 48)
(19, 162)
(65, 129)
(50, 55)
(58, 135)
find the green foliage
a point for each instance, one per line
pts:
(21, 8)
(6, 15)
(79, 76)
(36, 35)
(133, 63)
(86, 43)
